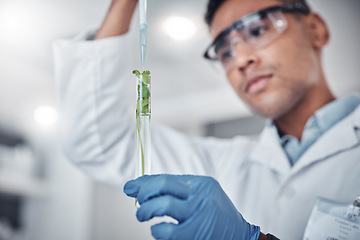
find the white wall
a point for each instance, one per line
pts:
(64, 211)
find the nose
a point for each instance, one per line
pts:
(244, 57)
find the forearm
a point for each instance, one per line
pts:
(94, 98)
(118, 18)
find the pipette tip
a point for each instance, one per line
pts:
(142, 55)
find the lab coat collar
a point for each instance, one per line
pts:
(269, 151)
(340, 137)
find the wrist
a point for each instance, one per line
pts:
(267, 237)
(262, 236)
(118, 19)
(123, 3)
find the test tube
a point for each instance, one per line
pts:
(143, 126)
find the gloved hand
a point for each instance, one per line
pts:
(198, 203)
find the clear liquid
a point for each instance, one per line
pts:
(143, 40)
(142, 55)
(143, 146)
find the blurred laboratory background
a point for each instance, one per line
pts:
(42, 195)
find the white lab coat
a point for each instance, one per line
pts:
(99, 137)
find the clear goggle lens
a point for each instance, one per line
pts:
(254, 32)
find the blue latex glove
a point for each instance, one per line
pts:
(198, 203)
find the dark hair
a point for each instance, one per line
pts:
(214, 5)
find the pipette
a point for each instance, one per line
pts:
(143, 30)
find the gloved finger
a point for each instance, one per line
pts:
(163, 230)
(164, 205)
(156, 185)
(131, 189)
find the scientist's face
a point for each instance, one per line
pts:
(274, 79)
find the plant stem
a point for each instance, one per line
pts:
(142, 152)
(141, 146)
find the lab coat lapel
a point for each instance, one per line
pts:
(269, 151)
(337, 139)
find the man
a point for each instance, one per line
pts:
(271, 52)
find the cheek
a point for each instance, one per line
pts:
(295, 61)
(232, 78)
(235, 80)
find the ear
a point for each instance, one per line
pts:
(318, 30)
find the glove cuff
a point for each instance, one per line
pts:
(255, 232)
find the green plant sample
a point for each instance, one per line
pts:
(142, 106)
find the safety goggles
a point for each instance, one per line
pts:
(255, 30)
